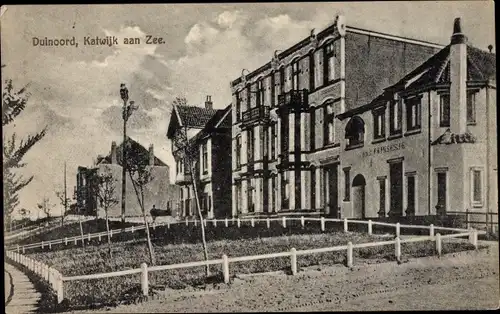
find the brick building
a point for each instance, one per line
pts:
(339, 124)
(208, 133)
(159, 192)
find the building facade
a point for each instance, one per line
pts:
(160, 192)
(339, 124)
(208, 138)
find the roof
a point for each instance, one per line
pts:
(197, 117)
(221, 119)
(481, 66)
(136, 149)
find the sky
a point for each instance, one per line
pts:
(75, 90)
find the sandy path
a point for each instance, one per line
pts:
(467, 280)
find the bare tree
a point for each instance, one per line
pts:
(64, 200)
(105, 192)
(45, 206)
(140, 175)
(188, 153)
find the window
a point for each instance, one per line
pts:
(313, 188)
(251, 142)
(329, 64)
(260, 93)
(441, 193)
(273, 194)
(238, 197)
(273, 90)
(274, 137)
(477, 187)
(381, 204)
(347, 184)
(282, 81)
(205, 157)
(379, 123)
(238, 152)
(311, 71)
(312, 132)
(284, 135)
(413, 113)
(250, 194)
(444, 110)
(285, 190)
(471, 107)
(295, 75)
(264, 143)
(355, 132)
(249, 97)
(395, 117)
(238, 106)
(329, 128)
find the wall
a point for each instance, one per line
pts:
(157, 193)
(374, 63)
(221, 174)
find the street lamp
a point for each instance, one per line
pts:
(126, 113)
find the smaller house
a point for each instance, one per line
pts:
(207, 134)
(159, 192)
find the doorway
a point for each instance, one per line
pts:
(358, 196)
(396, 179)
(331, 193)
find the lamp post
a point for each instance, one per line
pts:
(128, 108)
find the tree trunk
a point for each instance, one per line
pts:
(203, 240)
(107, 230)
(150, 245)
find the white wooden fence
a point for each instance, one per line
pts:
(226, 222)
(56, 280)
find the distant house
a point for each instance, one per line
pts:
(160, 192)
(209, 135)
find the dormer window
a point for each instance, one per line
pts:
(260, 93)
(413, 114)
(295, 75)
(395, 116)
(330, 61)
(379, 123)
(355, 132)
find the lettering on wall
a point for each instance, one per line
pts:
(383, 149)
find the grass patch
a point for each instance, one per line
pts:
(130, 254)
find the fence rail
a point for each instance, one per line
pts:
(238, 221)
(56, 279)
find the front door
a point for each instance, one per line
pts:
(396, 177)
(332, 192)
(358, 197)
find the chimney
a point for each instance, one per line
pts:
(151, 155)
(458, 78)
(208, 102)
(113, 153)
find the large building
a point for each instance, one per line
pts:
(208, 137)
(339, 124)
(159, 192)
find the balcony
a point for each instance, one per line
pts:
(260, 113)
(183, 178)
(294, 100)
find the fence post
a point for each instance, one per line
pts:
(370, 230)
(89, 237)
(168, 224)
(60, 288)
(215, 222)
(76, 241)
(225, 267)
(398, 230)
(187, 221)
(268, 223)
(65, 241)
(18, 247)
(154, 226)
(293, 257)
(50, 246)
(345, 225)
(144, 279)
(23, 249)
(132, 229)
(398, 249)
(322, 223)
(253, 222)
(195, 223)
(438, 244)
(302, 222)
(284, 221)
(467, 220)
(431, 231)
(238, 222)
(349, 254)
(474, 239)
(225, 222)
(204, 222)
(99, 238)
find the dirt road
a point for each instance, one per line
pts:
(467, 280)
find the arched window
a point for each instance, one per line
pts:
(355, 132)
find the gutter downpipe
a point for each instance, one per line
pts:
(429, 153)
